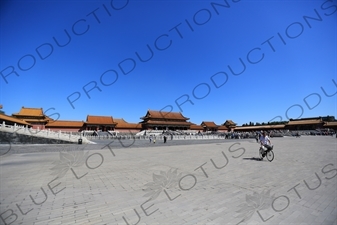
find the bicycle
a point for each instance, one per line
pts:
(263, 151)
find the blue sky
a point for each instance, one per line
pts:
(288, 51)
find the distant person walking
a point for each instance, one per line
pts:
(164, 139)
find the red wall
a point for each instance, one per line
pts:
(65, 129)
(40, 126)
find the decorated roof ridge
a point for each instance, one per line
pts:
(205, 121)
(320, 120)
(98, 116)
(164, 114)
(230, 121)
(159, 111)
(163, 123)
(307, 118)
(24, 111)
(23, 107)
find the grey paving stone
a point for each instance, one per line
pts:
(215, 182)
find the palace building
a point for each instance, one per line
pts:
(158, 120)
(305, 124)
(313, 123)
(229, 125)
(102, 123)
(33, 116)
(259, 128)
(209, 126)
(65, 125)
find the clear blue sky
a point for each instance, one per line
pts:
(288, 48)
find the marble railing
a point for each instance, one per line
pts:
(42, 133)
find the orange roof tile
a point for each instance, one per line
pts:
(30, 112)
(279, 126)
(163, 123)
(122, 124)
(222, 128)
(196, 127)
(229, 123)
(119, 121)
(64, 123)
(305, 122)
(13, 120)
(151, 114)
(100, 120)
(33, 120)
(208, 124)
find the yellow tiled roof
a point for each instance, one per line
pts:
(208, 124)
(121, 123)
(229, 123)
(64, 123)
(151, 114)
(13, 119)
(279, 126)
(196, 127)
(30, 112)
(100, 120)
(305, 122)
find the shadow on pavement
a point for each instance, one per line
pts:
(253, 158)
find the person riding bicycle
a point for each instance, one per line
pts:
(265, 141)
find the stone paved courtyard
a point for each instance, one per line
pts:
(180, 182)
